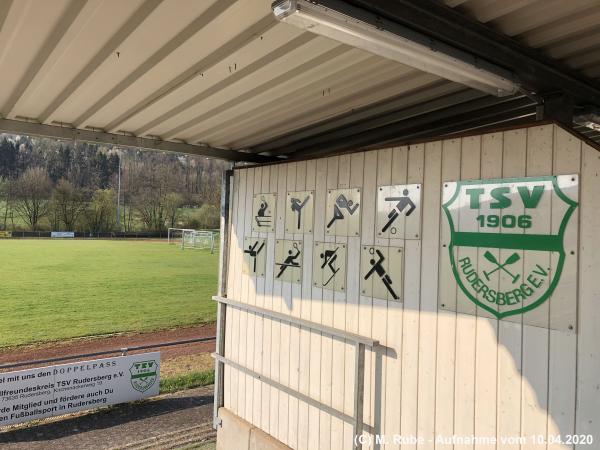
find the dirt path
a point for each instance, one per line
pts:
(97, 344)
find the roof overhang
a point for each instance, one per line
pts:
(225, 79)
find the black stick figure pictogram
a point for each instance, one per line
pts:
(297, 207)
(342, 203)
(261, 216)
(290, 261)
(377, 267)
(403, 202)
(254, 253)
(329, 257)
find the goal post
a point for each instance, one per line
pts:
(175, 235)
(194, 239)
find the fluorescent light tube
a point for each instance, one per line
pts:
(395, 42)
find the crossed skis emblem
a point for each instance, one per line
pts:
(510, 260)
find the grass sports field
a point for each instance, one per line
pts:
(54, 290)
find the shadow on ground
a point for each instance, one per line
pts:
(115, 425)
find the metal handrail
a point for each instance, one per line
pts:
(360, 343)
(123, 351)
(369, 342)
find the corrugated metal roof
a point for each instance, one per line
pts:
(567, 30)
(220, 72)
(224, 72)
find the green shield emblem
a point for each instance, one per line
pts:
(143, 375)
(506, 244)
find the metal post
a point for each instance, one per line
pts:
(359, 393)
(219, 399)
(119, 196)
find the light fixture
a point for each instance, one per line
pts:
(358, 28)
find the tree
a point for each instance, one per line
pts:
(100, 213)
(32, 191)
(152, 196)
(172, 204)
(6, 201)
(68, 204)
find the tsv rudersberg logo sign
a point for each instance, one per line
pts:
(143, 375)
(506, 239)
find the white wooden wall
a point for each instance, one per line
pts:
(442, 373)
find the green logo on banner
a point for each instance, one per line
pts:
(506, 240)
(143, 375)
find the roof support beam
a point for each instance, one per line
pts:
(537, 73)
(438, 89)
(75, 134)
(557, 107)
(478, 113)
(357, 126)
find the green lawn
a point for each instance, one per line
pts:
(53, 290)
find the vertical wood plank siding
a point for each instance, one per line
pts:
(440, 371)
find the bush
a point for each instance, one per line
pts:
(204, 218)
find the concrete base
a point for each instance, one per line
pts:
(237, 434)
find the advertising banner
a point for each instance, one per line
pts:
(56, 390)
(62, 234)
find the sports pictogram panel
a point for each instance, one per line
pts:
(299, 211)
(288, 260)
(329, 266)
(381, 272)
(255, 256)
(399, 211)
(263, 213)
(342, 217)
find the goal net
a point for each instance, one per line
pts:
(175, 235)
(198, 240)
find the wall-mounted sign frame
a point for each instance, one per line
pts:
(329, 266)
(299, 212)
(382, 272)
(288, 260)
(264, 209)
(399, 211)
(505, 245)
(343, 212)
